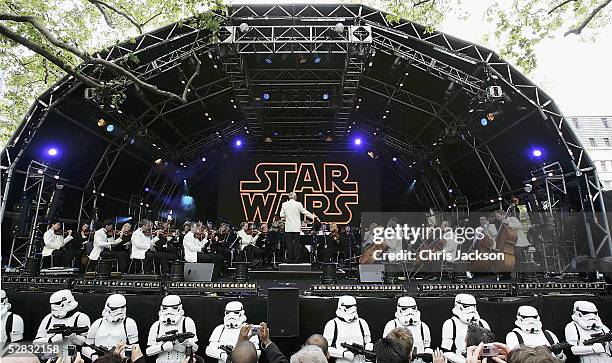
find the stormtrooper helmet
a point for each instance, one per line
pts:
(234, 315)
(407, 312)
(62, 302)
(171, 310)
(115, 308)
(586, 315)
(5, 306)
(465, 309)
(528, 319)
(347, 309)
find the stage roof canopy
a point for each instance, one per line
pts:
(303, 80)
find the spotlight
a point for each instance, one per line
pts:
(339, 28)
(394, 159)
(244, 27)
(266, 96)
(528, 188)
(110, 128)
(158, 161)
(268, 60)
(372, 154)
(325, 96)
(268, 139)
(537, 153)
(52, 151)
(275, 133)
(484, 122)
(238, 143)
(329, 139)
(203, 159)
(101, 122)
(147, 189)
(357, 141)
(317, 59)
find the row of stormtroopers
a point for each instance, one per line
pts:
(11, 325)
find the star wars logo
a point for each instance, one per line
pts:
(325, 189)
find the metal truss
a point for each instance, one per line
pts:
(200, 142)
(296, 77)
(489, 164)
(39, 188)
(93, 187)
(348, 90)
(405, 98)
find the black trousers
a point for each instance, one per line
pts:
(163, 257)
(294, 249)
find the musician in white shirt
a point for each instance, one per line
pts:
(247, 242)
(291, 212)
(197, 250)
(522, 243)
(54, 242)
(102, 240)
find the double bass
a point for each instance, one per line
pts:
(506, 242)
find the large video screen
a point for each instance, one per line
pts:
(335, 189)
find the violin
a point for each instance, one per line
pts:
(62, 233)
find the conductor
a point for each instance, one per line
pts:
(291, 212)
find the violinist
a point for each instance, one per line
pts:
(120, 248)
(195, 245)
(248, 240)
(54, 244)
(103, 241)
(77, 245)
(332, 244)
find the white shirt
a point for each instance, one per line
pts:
(53, 242)
(141, 244)
(292, 211)
(517, 226)
(246, 239)
(192, 246)
(460, 331)
(101, 241)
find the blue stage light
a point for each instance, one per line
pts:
(110, 128)
(317, 59)
(268, 60)
(484, 121)
(537, 153)
(266, 96)
(325, 96)
(238, 143)
(357, 141)
(52, 151)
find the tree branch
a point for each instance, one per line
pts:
(6, 32)
(586, 21)
(121, 13)
(563, 3)
(193, 76)
(107, 18)
(420, 3)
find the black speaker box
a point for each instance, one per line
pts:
(284, 312)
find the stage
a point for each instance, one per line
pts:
(315, 311)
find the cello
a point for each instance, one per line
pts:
(506, 242)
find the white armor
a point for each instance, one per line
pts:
(14, 332)
(347, 327)
(586, 324)
(113, 327)
(63, 312)
(227, 333)
(454, 329)
(171, 318)
(529, 332)
(408, 316)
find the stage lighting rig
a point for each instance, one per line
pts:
(207, 288)
(358, 290)
(480, 289)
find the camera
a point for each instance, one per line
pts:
(188, 351)
(255, 329)
(489, 350)
(128, 351)
(72, 351)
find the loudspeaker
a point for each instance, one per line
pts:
(201, 272)
(284, 312)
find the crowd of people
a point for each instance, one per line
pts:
(346, 338)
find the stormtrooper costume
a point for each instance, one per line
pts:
(227, 333)
(454, 329)
(64, 312)
(408, 316)
(113, 327)
(529, 332)
(585, 324)
(347, 327)
(11, 325)
(171, 317)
